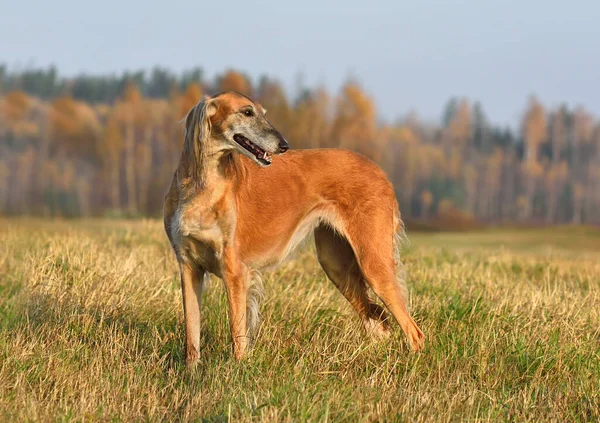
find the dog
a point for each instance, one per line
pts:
(233, 208)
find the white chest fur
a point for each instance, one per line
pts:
(196, 232)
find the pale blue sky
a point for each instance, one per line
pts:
(407, 55)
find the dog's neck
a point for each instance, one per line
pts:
(210, 171)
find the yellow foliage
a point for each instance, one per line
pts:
(25, 129)
(74, 125)
(112, 143)
(191, 97)
(460, 125)
(532, 169)
(16, 105)
(534, 128)
(132, 94)
(234, 81)
(583, 126)
(405, 135)
(354, 124)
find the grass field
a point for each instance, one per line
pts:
(91, 329)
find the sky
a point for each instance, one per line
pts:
(408, 56)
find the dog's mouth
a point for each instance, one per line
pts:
(261, 155)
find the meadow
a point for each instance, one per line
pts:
(91, 330)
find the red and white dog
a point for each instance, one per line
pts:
(231, 208)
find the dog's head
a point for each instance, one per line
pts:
(231, 121)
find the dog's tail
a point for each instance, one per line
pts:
(255, 296)
(400, 241)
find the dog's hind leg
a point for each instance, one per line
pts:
(372, 238)
(339, 263)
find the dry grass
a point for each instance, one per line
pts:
(91, 329)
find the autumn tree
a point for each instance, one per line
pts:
(582, 153)
(534, 133)
(74, 128)
(272, 97)
(312, 126)
(406, 163)
(15, 106)
(555, 180)
(354, 123)
(234, 81)
(132, 110)
(460, 126)
(558, 134)
(192, 96)
(481, 133)
(111, 152)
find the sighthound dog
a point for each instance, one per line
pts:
(232, 208)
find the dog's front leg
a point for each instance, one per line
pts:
(235, 276)
(192, 281)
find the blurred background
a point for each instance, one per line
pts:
(480, 112)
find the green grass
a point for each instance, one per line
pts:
(91, 329)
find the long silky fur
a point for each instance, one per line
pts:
(196, 130)
(254, 297)
(400, 241)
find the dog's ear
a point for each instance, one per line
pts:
(211, 105)
(197, 130)
(197, 121)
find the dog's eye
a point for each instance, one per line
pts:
(248, 112)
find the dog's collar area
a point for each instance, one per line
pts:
(261, 155)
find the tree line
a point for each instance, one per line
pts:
(108, 145)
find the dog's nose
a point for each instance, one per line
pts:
(283, 146)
